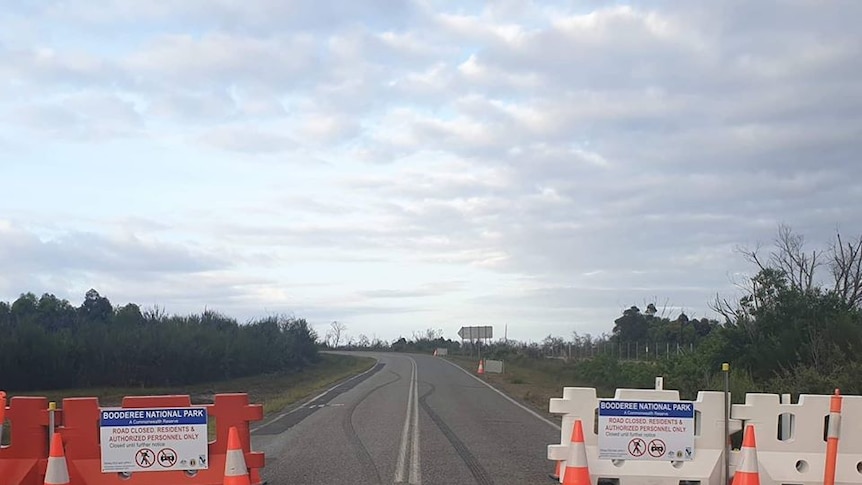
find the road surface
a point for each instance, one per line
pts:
(413, 419)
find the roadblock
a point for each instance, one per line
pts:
(791, 438)
(79, 423)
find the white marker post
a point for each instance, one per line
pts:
(52, 408)
(725, 368)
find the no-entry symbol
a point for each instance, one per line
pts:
(144, 458)
(167, 457)
(656, 448)
(637, 447)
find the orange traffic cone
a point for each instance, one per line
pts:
(235, 471)
(556, 475)
(435, 352)
(57, 472)
(481, 367)
(747, 472)
(577, 472)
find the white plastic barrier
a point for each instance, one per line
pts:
(792, 454)
(800, 458)
(706, 465)
(494, 366)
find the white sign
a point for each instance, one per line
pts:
(494, 366)
(646, 430)
(152, 440)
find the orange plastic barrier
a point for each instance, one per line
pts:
(25, 460)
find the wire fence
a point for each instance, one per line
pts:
(634, 351)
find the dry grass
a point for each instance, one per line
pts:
(533, 387)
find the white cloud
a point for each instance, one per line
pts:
(248, 140)
(224, 59)
(560, 162)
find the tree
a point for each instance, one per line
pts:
(24, 307)
(791, 259)
(96, 307)
(799, 267)
(553, 346)
(54, 313)
(364, 342)
(786, 319)
(846, 266)
(399, 345)
(631, 326)
(651, 310)
(129, 314)
(335, 333)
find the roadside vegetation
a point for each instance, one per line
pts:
(275, 391)
(47, 343)
(50, 348)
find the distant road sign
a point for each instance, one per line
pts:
(471, 333)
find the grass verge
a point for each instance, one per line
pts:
(530, 385)
(275, 391)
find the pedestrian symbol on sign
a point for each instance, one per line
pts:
(144, 458)
(637, 447)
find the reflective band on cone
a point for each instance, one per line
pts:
(57, 473)
(577, 472)
(235, 471)
(748, 473)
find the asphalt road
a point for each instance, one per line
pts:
(413, 419)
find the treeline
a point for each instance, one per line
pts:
(336, 338)
(796, 328)
(47, 343)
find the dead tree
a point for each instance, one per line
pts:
(846, 266)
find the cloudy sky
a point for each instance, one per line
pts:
(400, 165)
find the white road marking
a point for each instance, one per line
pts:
(410, 435)
(405, 436)
(415, 468)
(516, 403)
(267, 423)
